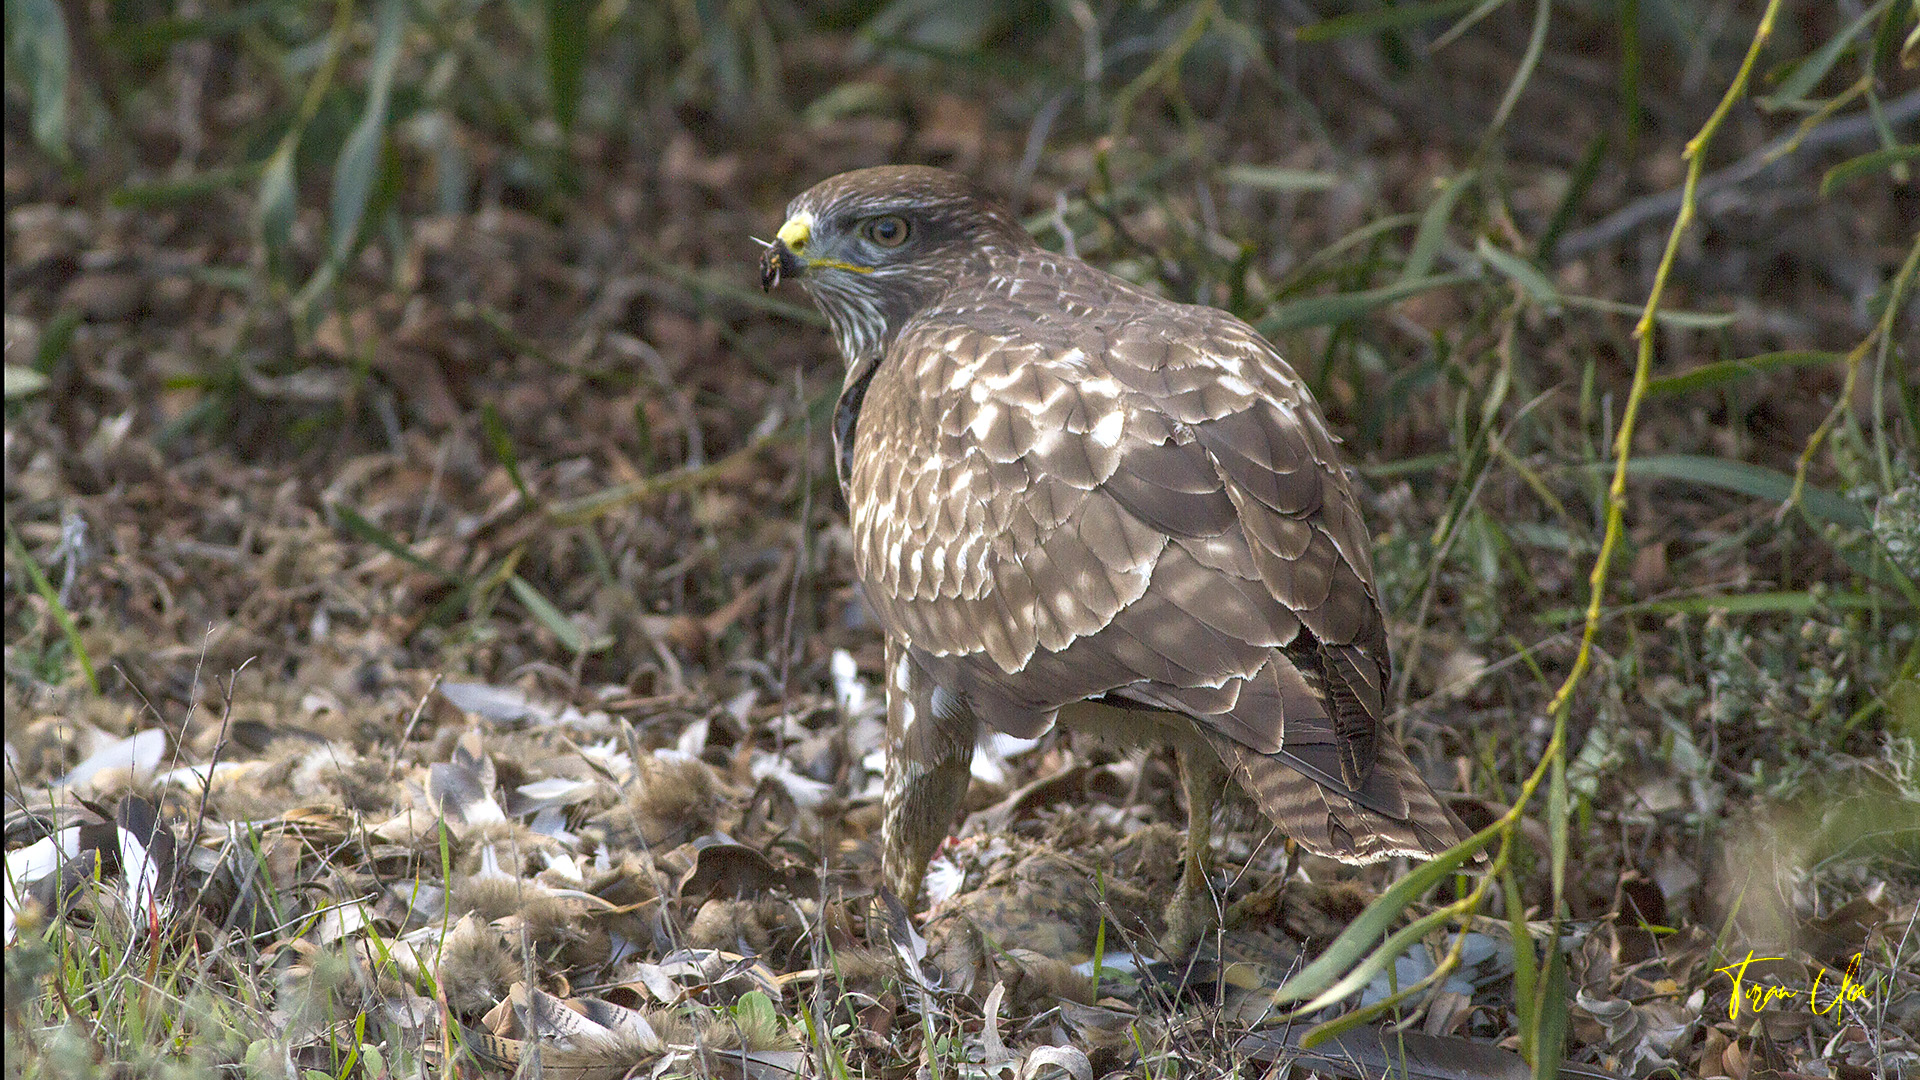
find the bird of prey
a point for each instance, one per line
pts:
(1075, 501)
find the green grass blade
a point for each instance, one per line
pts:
(549, 616)
(1747, 479)
(1558, 823)
(1522, 273)
(1360, 237)
(566, 56)
(1631, 109)
(1357, 939)
(274, 204)
(59, 610)
(1684, 320)
(39, 53)
(1386, 18)
(1878, 160)
(495, 431)
(147, 41)
(1577, 188)
(1548, 1026)
(385, 541)
(1340, 307)
(1357, 977)
(55, 340)
(187, 189)
(1721, 372)
(1365, 1014)
(1413, 466)
(1466, 23)
(1793, 89)
(1276, 178)
(1526, 970)
(1433, 228)
(1529, 62)
(1550, 1031)
(359, 160)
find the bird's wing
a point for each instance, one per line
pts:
(1132, 499)
(1248, 483)
(979, 524)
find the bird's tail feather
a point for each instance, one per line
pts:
(1327, 822)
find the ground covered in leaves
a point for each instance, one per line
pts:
(431, 639)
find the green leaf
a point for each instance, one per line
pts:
(1276, 178)
(549, 616)
(55, 340)
(1386, 18)
(1721, 372)
(1558, 804)
(1338, 308)
(1351, 947)
(1357, 978)
(1888, 159)
(39, 53)
(1433, 228)
(1685, 320)
(755, 1010)
(1815, 67)
(1526, 972)
(566, 56)
(274, 206)
(359, 162)
(1522, 273)
(1754, 480)
(1550, 1022)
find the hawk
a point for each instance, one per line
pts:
(1075, 501)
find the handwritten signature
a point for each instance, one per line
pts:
(1759, 997)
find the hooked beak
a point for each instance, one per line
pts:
(783, 257)
(778, 262)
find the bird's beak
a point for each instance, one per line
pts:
(783, 259)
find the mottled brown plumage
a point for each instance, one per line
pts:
(1074, 500)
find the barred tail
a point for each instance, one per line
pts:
(1331, 822)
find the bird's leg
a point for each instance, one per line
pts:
(1193, 911)
(930, 736)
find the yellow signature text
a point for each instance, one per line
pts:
(1758, 998)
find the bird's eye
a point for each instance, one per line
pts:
(889, 231)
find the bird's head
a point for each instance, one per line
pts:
(874, 246)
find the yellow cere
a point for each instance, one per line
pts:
(796, 232)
